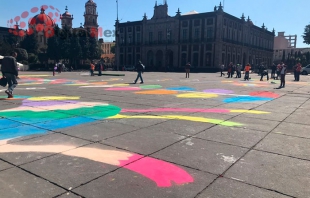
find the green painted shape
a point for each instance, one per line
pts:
(150, 86)
(98, 111)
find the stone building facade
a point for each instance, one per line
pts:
(205, 40)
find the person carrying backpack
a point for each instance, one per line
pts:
(140, 68)
(9, 71)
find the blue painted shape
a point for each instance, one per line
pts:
(63, 123)
(5, 123)
(242, 99)
(181, 89)
(30, 121)
(20, 131)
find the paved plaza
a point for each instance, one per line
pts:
(74, 135)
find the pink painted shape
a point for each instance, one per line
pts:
(123, 89)
(50, 14)
(17, 18)
(164, 174)
(34, 10)
(188, 110)
(52, 7)
(22, 24)
(45, 7)
(56, 14)
(25, 14)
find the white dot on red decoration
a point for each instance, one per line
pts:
(45, 7)
(25, 14)
(34, 9)
(50, 14)
(17, 18)
(52, 7)
(22, 24)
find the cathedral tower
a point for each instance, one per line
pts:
(66, 19)
(90, 15)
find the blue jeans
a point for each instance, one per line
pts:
(139, 76)
(12, 82)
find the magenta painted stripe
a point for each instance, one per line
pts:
(164, 174)
(189, 110)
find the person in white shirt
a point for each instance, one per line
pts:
(283, 73)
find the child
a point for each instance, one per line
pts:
(247, 72)
(92, 69)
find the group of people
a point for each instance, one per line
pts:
(99, 65)
(276, 72)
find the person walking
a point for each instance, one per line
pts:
(298, 69)
(92, 68)
(229, 70)
(247, 72)
(187, 69)
(139, 68)
(9, 71)
(238, 69)
(278, 71)
(222, 69)
(273, 71)
(283, 73)
(264, 72)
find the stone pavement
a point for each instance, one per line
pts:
(74, 135)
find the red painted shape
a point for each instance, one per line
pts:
(34, 9)
(39, 28)
(56, 14)
(45, 7)
(21, 33)
(50, 14)
(49, 32)
(52, 7)
(57, 10)
(22, 24)
(100, 31)
(25, 14)
(264, 94)
(29, 31)
(17, 18)
(164, 174)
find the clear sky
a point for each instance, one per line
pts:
(289, 16)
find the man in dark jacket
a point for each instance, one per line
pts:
(139, 68)
(9, 71)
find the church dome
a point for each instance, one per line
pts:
(90, 2)
(66, 14)
(42, 19)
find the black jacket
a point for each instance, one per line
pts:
(9, 65)
(139, 67)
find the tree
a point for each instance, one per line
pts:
(22, 54)
(84, 42)
(5, 48)
(32, 58)
(30, 43)
(53, 49)
(65, 43)
(307, 34)
(75, 49)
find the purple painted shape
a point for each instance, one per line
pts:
(218, 91)
(47, 103)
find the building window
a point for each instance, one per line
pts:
(129, 38)
(121, 50)
(210, 21)
(225, 22)
(208, 59)
(150, 37)
(184, 48)
(169, 35)
(160, 36)
(129, 29)
(138, 37)
(138, 49)
(184, 34)
(197, 33)
(209, 32)
(196, 48)
(209, 47)
(184, 23)
(129, 50)
(197, 22)
(122, 40)
(138, 28)
(121, 30)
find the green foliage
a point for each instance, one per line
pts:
(5, 48)
(306, 35)
(30, 43)
(32, 58)
(22, 54)
(53, 43)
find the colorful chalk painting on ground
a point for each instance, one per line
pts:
(38, 115)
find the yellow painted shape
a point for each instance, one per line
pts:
(157, 92)
(179, 117)
(249, 111)
(120, 85)
(197, 95)
(46, 98)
